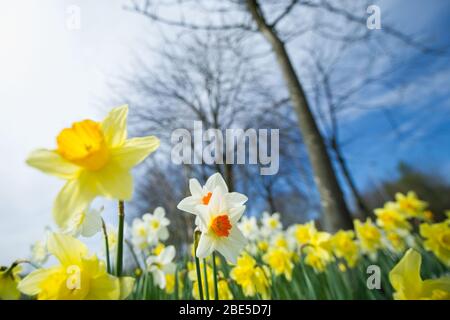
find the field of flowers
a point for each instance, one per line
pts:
(402, 254)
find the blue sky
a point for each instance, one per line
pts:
(51, 76)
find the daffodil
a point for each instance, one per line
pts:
(249, 228)
(395, 242)
(369, 236)
(318, 251)
(280, 240)
(437, 239)
(411, 205)
(302, 233)
(157, 225)
(390, 218)
(139, 234)
(218, 225)
(344, 247)
(79, 276)
(251, 277)
(161, 264)
(201, 195)
(9, 278)
(263, 245)
(408, 284)
(280, 261)
(96, 159)
(86, 223)
(271, 224)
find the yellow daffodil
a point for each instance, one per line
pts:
(9, 278)
(396, 243)
(318, 251)
(408, 284)
(437, 239)
(263, 245)
(369, 236)
(95, 158)
(280, 261)
(303, 232)
(251, 277)
(344, 247)
(79, 276)
(411, 205)
(390, 218)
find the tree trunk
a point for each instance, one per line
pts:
(228, 173)
(335, 212)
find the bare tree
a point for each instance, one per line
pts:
(208, 78)
(279, 22)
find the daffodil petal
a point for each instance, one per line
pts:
(51, 162)
(30, 285)
(232, 246)
(114, 126)
(195, 188)
(215, 181)
(167, 255)
(73, 198)
(66, 249)
(405, 276)
(92, 223)
(105, 287)
(205, 246)
(114, 182)
(188, 204)
(134, 151)
(432, 288)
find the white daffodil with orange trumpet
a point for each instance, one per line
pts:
(95, 158)
(217, 222)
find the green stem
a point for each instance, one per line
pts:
(216, 289)
(133, 254)
(205, 276)
(119, 260)
(105, 235)
(197, 266)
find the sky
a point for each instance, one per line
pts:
(51, 75)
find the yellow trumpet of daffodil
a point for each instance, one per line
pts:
(79, 276)
(95, 158)
(408, 284)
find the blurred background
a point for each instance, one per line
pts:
(379, 97)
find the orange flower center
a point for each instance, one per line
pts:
(221, 226)
(84, 144)
(205, 199)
